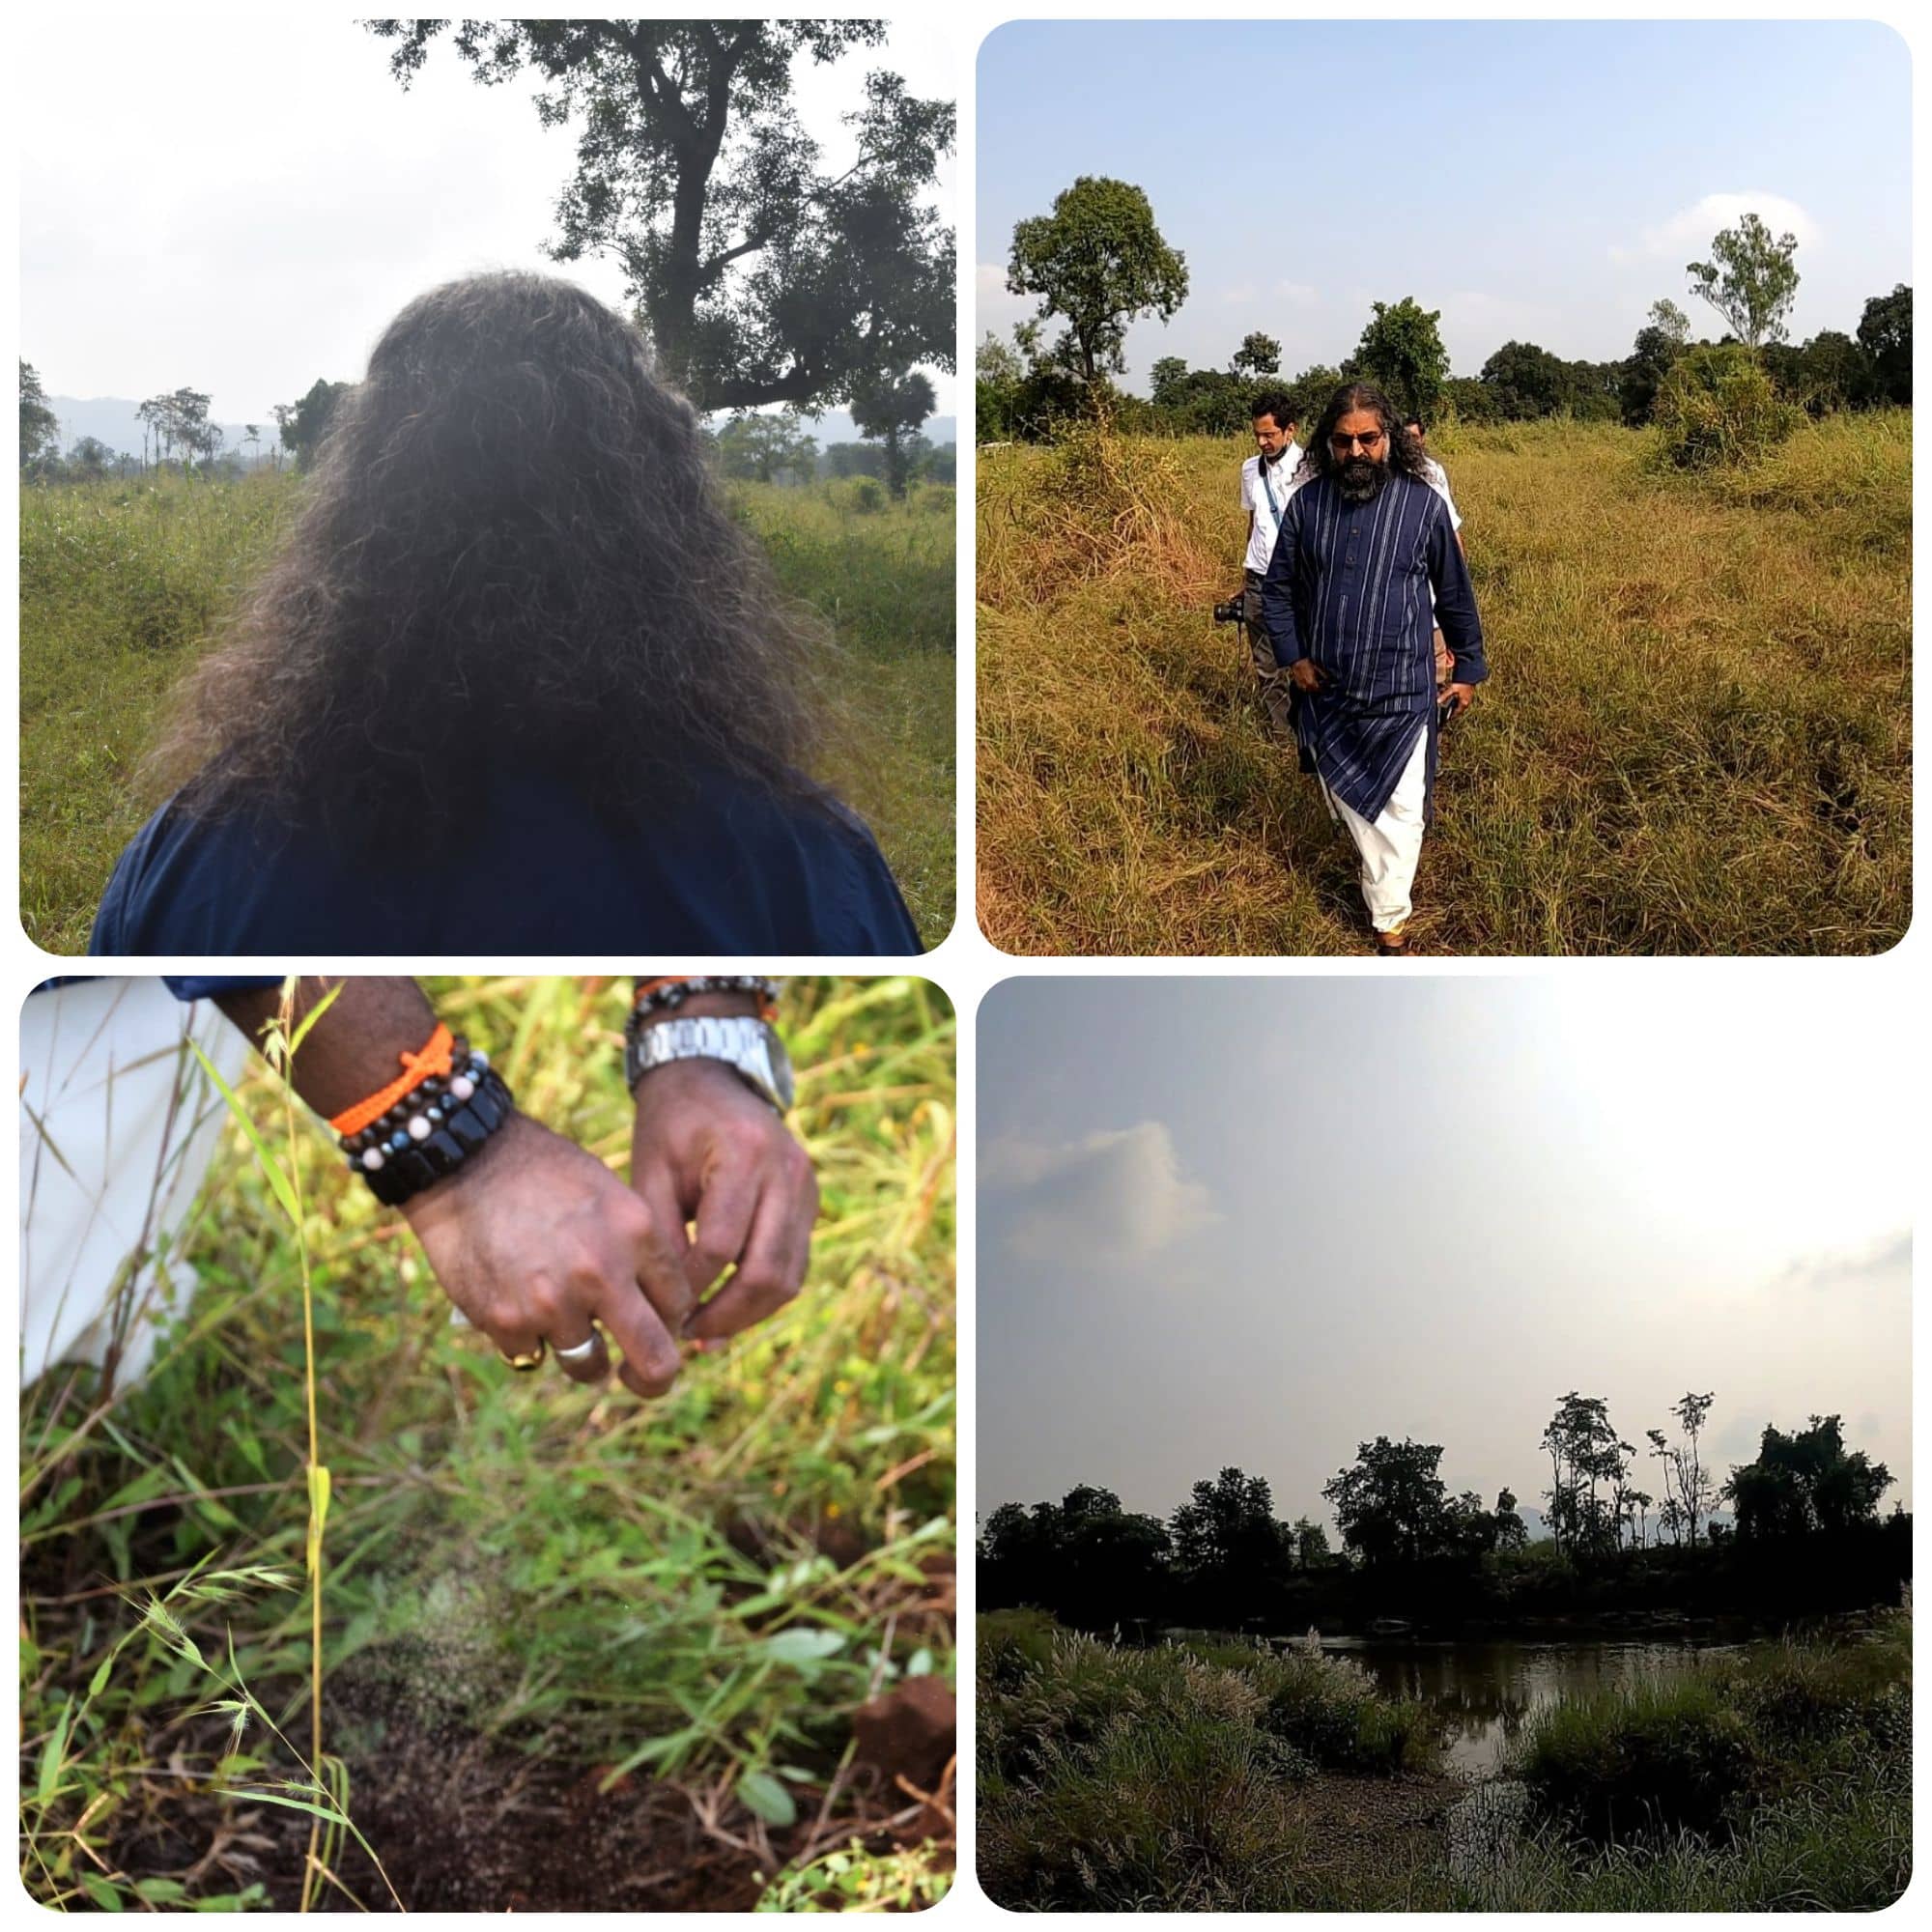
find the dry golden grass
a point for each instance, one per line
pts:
(1695, 739)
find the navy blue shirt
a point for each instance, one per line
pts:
(1348, 586)
(735, 870)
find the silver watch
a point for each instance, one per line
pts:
(749, 1047)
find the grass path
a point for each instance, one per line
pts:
(1695, 738)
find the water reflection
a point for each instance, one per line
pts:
(1483, 1691)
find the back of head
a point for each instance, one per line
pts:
(512, 555)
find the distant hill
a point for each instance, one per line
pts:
(114, 422)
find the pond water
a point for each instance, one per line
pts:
(1484, 1690)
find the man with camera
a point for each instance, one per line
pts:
(1264, 488)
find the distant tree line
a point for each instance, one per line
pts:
(1098, 263)
(1805, 1530)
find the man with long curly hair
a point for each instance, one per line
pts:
(515, 682)
(1365, 541)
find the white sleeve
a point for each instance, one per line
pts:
(1438, 481)
(1247, 497)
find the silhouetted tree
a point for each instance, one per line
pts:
(1885, 335)
(1391, 1506)
(1806, 1483)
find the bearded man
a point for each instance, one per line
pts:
(1365, 543)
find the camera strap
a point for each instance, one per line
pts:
(1274, 508)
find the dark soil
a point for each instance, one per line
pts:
(467, 1823)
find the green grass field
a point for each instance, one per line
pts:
(1695, 738)
(119, 585)
(544, 1609)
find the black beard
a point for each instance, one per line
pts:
(1359, 480)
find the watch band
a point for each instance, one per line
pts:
(749, 1047)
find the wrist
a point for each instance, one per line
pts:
(424, 1209)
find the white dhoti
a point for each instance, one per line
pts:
(118, 1125)
(1391, 846)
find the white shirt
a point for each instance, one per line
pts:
(1438, 481)
(1264, 518)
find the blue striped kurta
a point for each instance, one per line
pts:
(1348, 588)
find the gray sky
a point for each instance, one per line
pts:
(239, 203)
(1258, 1222)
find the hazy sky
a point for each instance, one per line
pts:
(1545, 182)
(240, 203)
(1258, 1222)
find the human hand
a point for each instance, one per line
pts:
(1305, 674)
(1457, 698)
(533, 1238)
(707, 1151)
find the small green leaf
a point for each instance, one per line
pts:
(100, 1892)
(103, 1670)
(804, 1646)
(53, 1754)
(160, 1891)
(279, 1182)
(920, 1664)
(764, 1796)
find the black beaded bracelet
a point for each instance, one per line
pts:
(426, 1137)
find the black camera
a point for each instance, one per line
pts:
(1234, 611)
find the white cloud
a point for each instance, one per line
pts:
(1883, 1264)
(1686, 234)
(1299, 294)
(1116, 1196)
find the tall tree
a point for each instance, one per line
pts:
(760, 276)
(1391, 1506)
(1098, 263)
(888, 413)
(1402, 351)
(309, 420)
(40, 427)
(1807, 1483)
(1227, 1533)
(1258, 355)
(1885, 335)
(1750, 281)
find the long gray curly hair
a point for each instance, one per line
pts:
(512, 553)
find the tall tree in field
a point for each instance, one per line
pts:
(159, 413)
(1885, 335)
(1098, 263)
(759, 275)
(309, 420)
(1670, 321)
(1391, 1506)
(1750, 281)
(1258, 355)
(251, 436)
(888, 413)
(284, 414)
(1688, 1492)
(1402, 351)
(1226, 1537)
(40, 427)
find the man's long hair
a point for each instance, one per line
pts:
(1406, 456)
(512, 556)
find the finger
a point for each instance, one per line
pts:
(658, 1191)
(723, 1224)
(651, 1358)
(772, 1267)
(590, 1367)
(658, 1250)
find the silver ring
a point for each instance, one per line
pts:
(582, 1352)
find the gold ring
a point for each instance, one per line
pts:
(523, 1363)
